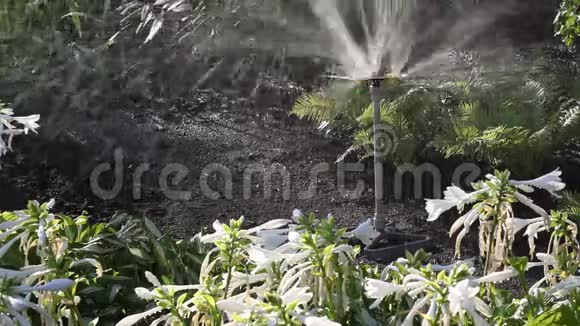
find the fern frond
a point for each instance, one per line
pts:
(491, 145)
(536, 91)
(407, 112)
(570, 203)
(570, 118)
(362, 138)
(350, 151)
(315, 107)
(570, 199)
(563, 126)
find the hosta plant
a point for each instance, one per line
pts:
(35, 237)
(491, 204)
(297, 271)
(278, 271)
(15, 296)
(55, 268)
(305, 271)
(11, 126)
(561, 262)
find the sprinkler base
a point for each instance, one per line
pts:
(389, 246)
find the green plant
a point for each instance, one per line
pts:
(412, 114)
(315, 268)
(567, 22)
(481, 119)
(9, 129)
(103, 263)
(571, 204)
(493, 201)
(175, 261)
(52, 52)
(337, 109)
(498, 124)
(198, 21)
(314, 279)
(414, 117)
(562, 260)
(287, 272)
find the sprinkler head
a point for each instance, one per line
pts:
(393, 77)
(388, 77)
(375, 77)
(376, 80)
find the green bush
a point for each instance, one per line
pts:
(499, 123)
(482, 120)
(104, 262)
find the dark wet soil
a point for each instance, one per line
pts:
(209, 128)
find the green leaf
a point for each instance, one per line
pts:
(91, 290)
(152, 228)
(96, 248)
(519, 264)
(114, 291)
(181, 299)
(139, 253)
(89, 261)
(563, 316)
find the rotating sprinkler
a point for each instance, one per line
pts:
(388, 246)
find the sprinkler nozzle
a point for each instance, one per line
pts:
(393, 76)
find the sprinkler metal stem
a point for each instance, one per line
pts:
(380, 222)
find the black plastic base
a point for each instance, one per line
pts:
(389, 246)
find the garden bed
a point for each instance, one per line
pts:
(208, 128)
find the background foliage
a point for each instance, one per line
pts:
(568, 21)
(530, 113)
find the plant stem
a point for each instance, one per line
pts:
(228, 281)
(75, 313)
(230, 267)
(339, 290)
(489, 248)
(327, 284)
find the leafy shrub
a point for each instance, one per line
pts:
(52, 54)
(336, 110)
(498, 123)
(95, 266)
(481, 120)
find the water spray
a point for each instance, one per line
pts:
(366, 38)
